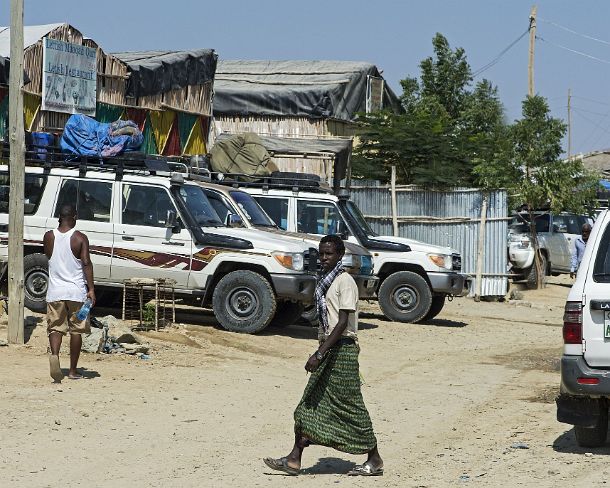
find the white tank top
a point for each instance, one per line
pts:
(66, 278)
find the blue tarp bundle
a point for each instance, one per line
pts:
(87, 137)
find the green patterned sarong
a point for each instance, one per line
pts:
(332, 411)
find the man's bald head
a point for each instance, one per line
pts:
(585, 231)
(67, 212)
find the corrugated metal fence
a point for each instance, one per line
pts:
(446, 218)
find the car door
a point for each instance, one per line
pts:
(144, 246)
(93, 201)
(560, 259)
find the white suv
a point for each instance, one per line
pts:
(585, 364)
(144, 221)
(414, 277)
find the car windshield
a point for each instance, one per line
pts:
(199, 206)
(520, 224)
(251, 209)
(359, 219)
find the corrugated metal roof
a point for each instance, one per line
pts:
(31, 35)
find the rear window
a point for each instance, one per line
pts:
(601, 269)
(34, 186)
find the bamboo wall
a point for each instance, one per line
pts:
(292, 127)
(192, 98)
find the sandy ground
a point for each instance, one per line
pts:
(450, 402)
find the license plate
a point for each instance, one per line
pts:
(371, 284)
(607, 325)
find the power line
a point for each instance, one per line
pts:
(591, 100)
(598, 126)
(574, 51)
(499, 56)
(574, 32)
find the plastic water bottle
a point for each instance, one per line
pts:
(84, 310)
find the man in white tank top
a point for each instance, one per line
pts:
(70, 284)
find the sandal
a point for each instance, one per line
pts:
(281, 464)
(366, 469)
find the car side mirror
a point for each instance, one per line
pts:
(171, 219)
(342, 230)
(234, 220)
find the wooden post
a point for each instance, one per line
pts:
(17, 178)
(530, 65)
(569, 123)
(394, 205)
(481, 250)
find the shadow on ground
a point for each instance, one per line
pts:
(436, 322)
(330, 465)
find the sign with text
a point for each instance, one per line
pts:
(69, 77)
(374, 94)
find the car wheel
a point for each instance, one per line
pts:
(287, 313)
(405, 296)
(35, 282)
(438, 302)
(243, 301)
(532, 274)
(593, 436)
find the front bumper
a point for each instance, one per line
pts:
(367, 285)
(574, 367)
(449, 283)
(299, 287)
(520, 258)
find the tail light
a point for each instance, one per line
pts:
(572, 323)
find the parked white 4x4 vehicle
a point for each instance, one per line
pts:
(556, 233)
(585, 363)
(142, 224)
(414, 277)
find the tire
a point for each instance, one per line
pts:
(593, 436)
(35, 282)
(287, 313)
(531, 274)
(243, 301)
(438, 302)
(405, 296)
(310, 316)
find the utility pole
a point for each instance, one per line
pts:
(17, 177)
(530, 66)
(569, 123)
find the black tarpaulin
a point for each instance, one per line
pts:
(4, 72)
(153, 72)
(315, 89)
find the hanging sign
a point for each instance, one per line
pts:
(374, 94)
(69, 77)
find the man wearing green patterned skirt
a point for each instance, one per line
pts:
(332, 411)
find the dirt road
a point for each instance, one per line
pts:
(465, 400)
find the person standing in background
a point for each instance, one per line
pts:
(579, 249)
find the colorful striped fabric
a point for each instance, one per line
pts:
(332, 411)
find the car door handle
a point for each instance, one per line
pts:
(127, 238)
(172, 243)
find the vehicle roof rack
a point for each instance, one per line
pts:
(277, 180)
(50, 157)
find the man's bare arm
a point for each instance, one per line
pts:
(85, 259)
(47, 243)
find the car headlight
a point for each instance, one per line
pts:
(347, 260)
(290, 260)
(441, 260)
(366, 265)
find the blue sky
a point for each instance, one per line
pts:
(395, 35)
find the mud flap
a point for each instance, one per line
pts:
(582, 411)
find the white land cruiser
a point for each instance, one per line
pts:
(239, 209)
(414, 278)
(142, 224)
(585, 363)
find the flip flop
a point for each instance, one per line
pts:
(366, 469)
(56, 373)
(281, 464)
(79, 377)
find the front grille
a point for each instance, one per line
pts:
(456, 261)
(311, 261)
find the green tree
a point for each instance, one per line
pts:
(446, 129)
(535, 174)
